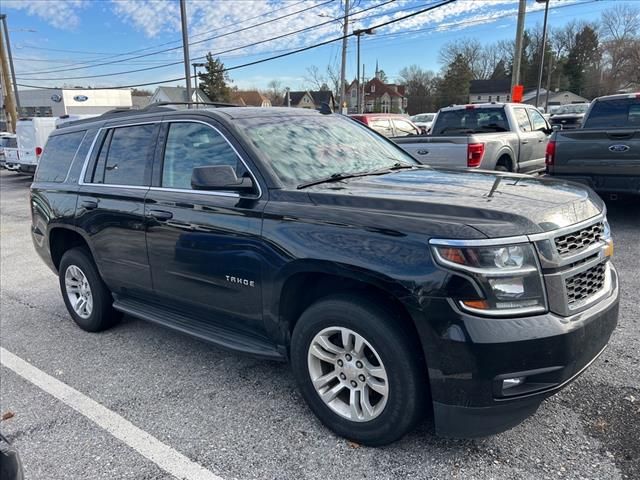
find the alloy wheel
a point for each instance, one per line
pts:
(348, 374)
(78, 291)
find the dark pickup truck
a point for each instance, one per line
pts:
(393, 289)
(605, 153)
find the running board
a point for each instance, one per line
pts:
(195, 327)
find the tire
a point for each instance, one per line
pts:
(78, 276)
(386, 344)
(502, 168)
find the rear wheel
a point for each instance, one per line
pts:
(85, 295)
(358, 370)
(504, 164)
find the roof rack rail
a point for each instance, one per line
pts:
(165, 104)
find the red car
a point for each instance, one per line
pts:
(388, 124)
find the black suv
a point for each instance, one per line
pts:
(392, 288)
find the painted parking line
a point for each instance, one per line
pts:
(148, 446)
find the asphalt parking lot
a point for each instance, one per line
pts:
(243, 418)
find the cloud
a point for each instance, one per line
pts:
(150, 16)
(62, 14)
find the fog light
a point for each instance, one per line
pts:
(608, 251)
(512, 382)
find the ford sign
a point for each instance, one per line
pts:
(56, 98)
(618, 148)
(81, 98)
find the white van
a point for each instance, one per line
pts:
(32, 134)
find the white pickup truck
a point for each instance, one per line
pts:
(492, 136)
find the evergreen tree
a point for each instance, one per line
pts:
(454, 87)
(583, 60)
(500, 71)
(214, 81)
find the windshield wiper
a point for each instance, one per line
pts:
(336, 177)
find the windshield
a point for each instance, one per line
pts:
(425, 117)
(471, 120)
(303, 148)
(578, 108)
(9, 142)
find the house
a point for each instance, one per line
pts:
(378, 97)
(309, 99)
(250, 98)
(483, 91)
(555, 98)
(177, 95)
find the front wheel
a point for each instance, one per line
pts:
(359, 370)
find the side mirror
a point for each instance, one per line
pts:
(555, 128)
(548, 130)
(220, 177)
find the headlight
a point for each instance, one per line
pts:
(507, 276)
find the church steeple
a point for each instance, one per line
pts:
(377, 70)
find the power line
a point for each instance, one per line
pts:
(278, 37)
(178, 47)
(275, 57)
(112, 55)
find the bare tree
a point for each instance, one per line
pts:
(314, 79)
(275, 92)
(619, 29)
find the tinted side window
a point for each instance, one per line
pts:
(192, 145)
(537, 120)
(523, 119)
(404, 128)
(57, 156)
(613, 113)
(125, 157)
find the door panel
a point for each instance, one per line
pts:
(111, 205)
(204, 247)
(207, 255)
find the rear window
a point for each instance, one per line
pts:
(57, 156)
(8, 142)
(623, 112)
(470, 120)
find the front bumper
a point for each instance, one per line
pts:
(471, 356)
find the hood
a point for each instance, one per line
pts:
(496, 204)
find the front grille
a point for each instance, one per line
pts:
(585, 284)
(575, 241)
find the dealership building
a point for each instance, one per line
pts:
(72, 101)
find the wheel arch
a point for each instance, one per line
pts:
(309, 282)
(506, 157)
(62, 239)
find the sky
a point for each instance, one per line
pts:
(54, 41)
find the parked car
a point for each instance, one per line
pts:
(605, 152)
(568, 116)
(423, 121)
(31, 134)
(393, 289)
(10, 463)
(388, 124)
(7, 140)
(508, 137)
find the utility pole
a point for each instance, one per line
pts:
(517, 55)
(195, 79)
(185, 48)
(9, 103)
(361, 89)
(358, 34)
(546, 103)
(13, 71)
(343, 65)
(542, 48)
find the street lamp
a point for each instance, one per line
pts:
(195, 78)
(542, 47)
(358, 33)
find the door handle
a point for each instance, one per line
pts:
(160, 214)
(89, 204)
(524, 142)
